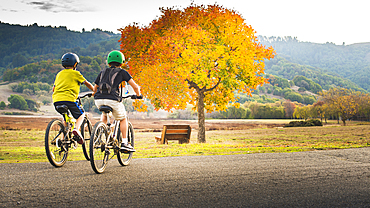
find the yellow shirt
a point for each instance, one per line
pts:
(67, 85)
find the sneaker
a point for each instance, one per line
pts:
(78, 136)
(127, 148)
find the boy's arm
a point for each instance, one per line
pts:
(88, 85)
(135, 87)
(95, 89)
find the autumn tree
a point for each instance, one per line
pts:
(364, 106)
(319, 109)
(289, 108)
(200, 55)
(303, 112)
(344, 102)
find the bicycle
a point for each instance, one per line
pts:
(104, 139)
(59, 138)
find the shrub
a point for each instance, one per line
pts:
(312, 122)
(2, 105)
(18, 102)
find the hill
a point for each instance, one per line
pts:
(45, 71)
(21, 45)
(281, 67)
(349, 61)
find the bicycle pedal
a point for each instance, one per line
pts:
(127, 151)
(74, 144)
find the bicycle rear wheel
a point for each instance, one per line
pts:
(99, 154)
(125, 158)
(54, 147)
(86, 129)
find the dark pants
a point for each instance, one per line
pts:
(73, 107)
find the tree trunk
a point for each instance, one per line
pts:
(201, 118)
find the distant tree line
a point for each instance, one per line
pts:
(249, 110)
(337, 103)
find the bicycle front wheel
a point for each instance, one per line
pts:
(86, 133)
(54, 147)
(125, 158)
(99, 154)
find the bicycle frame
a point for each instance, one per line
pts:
(69, 121)
(70, 124)
(112, 135)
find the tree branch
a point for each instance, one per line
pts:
(214, 87)
(193, 85)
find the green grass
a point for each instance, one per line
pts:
(28, 146)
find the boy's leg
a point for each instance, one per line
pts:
(76, 130)
(78, 113)
(79, 121)
(124, 145)
(103, 118)
(123, 127)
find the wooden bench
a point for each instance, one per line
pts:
(174, 132)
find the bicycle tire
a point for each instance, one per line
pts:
(54, 135)
(98, 152)
(86, 129)
(125, 158)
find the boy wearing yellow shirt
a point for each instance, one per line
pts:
(66, 89)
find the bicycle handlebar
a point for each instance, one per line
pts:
(87, 94)
(133, 97)
(124, 97)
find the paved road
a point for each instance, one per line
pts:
(336, 178)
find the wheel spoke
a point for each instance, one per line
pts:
(125, 158)
(56, 153)
(98, 153)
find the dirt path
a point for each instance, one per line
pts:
(40, 123)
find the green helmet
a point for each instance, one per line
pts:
(116, 56)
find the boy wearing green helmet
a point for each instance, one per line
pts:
(106, 92)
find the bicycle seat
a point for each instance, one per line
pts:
(61, 109)
(105, 108)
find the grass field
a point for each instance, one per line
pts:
(28, 146)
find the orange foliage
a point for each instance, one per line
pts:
(199, 49)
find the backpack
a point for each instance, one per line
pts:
(106, 80)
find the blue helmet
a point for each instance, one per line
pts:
(69, 60)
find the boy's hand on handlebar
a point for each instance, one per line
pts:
(137, 97)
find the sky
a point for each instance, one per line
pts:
(317, 21)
